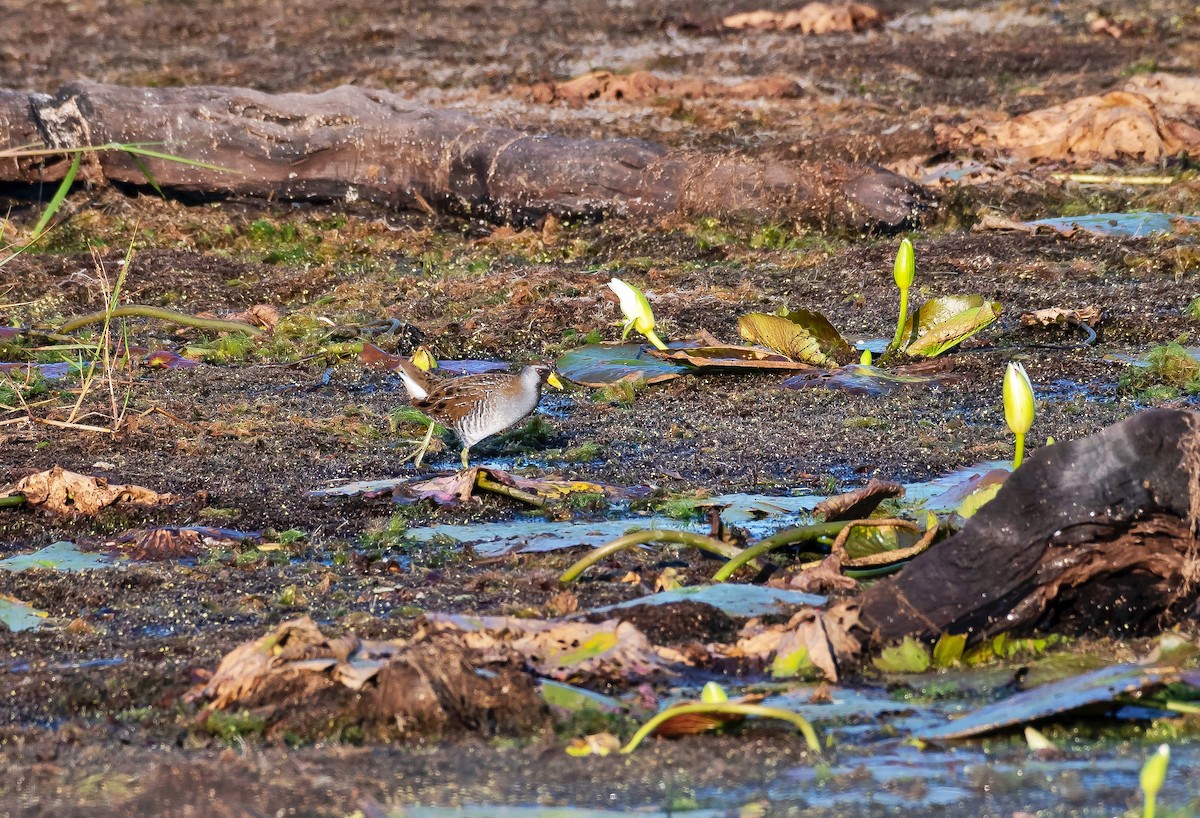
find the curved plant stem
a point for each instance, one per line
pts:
(12, 500)
(161, 313)
(488, 484)
(810, 735)
(709, 544)
(895, 345)
(652, 336)
(1019, 454)
(778, 540)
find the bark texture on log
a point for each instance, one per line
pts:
(353, 143)
(1094, 535)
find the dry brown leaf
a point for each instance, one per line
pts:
(813, 18)
(563, 603)
(689, 724)
(1060, 315)
(857, 505)
(1152, 116)
(67, 492)
(804, 631)
(642, 86)
(260, 315)
(562, 650)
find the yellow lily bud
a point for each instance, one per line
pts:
(1154, 772)
(904, 272)
(713, 693)
(636, 309)
(865, 359)
(906, 267)
(423, 359)
(1019, 407)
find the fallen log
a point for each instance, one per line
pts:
(353, 143)
(1096, 535)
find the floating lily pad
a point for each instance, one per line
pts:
(606, 364)
(1095, 688)
(577, 699)
(867, 540)
(802, 335)
(1120, 225)
(729, 357)
(947, 492)
(861, 379)
(17, 616)
(943, 323)
(493, 811)
(736, 600)
(51, 372)
(59, 556)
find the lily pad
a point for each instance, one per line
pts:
(861, 379)
(59, 556)
(729, 357)
(1095, 688)
(943, 323)
(736, 600)
(606, 364)
(802, 335)
(17, 616)
(577, 699)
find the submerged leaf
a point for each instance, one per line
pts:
(606, 364)
(858, 379)
(910, 656)
(943, 323)
(803, 335)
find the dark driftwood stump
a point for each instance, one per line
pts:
(1094, 535)
(353, 143)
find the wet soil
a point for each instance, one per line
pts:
(93, 717)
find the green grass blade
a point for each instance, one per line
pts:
(64, 187)
(146, 172)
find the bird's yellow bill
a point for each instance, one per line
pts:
(554, 381)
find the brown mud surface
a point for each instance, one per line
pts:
(91, 714)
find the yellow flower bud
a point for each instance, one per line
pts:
(713, 693)
(423, 359)
(906, 267)
(1019, 407)
(1154, 773)
(865, 359)
(636, 309)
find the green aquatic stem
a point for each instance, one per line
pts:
(161, 313)
(735, 708)
(644, 537)
(653, 338)
(12, 501)
(1019, 452)
(896, 341)
(778, 540)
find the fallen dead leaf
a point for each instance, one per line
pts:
(1059, 315)
(856, 505)
(562, 650)
(642, 86)
(820, 638)
(260, 315)
(1151, 117)
(298, 679)
(66, 492)
(689, 724)
(813, 18)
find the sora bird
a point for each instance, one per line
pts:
(477, 406)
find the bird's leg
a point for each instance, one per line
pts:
(424, 445)
(464, 456)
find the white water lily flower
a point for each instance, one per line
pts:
(636, 309)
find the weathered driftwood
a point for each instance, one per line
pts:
(353, 143)
(1095, 535)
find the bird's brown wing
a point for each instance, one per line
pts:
(445, 395)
